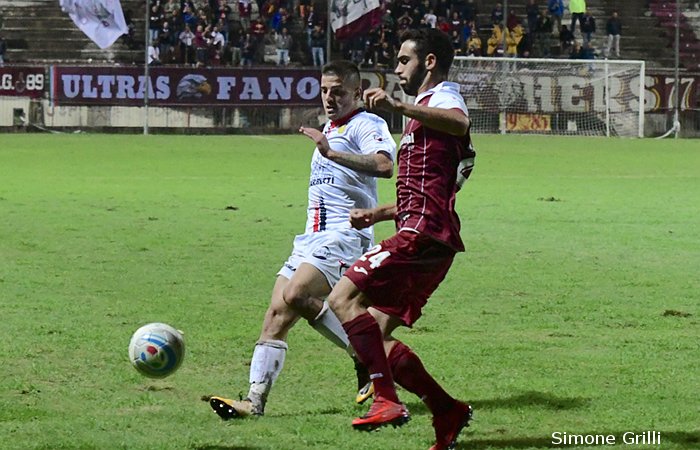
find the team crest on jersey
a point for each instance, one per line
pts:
(341, 129)
(406, 139)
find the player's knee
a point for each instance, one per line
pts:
(338, 303)
(295, 296)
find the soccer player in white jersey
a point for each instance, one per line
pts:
(354, 148)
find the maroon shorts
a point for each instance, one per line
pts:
(400, 273)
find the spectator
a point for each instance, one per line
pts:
(235, 42)
(532, 12)
(474, 45)
(543, 33)
(556, 11)
(566, 39)
(497, 14)
(311, 21)
(277, 18)
(3, 50)
(318, 41)
(283, 43)
(385, 55)
(244, 13)
(443, 25)
(513, 38)
(512, 21)
(248, 49)
(405, 21)
(154, 53)
(614, 29)
(388, 20)
(587, 27)
(189, 17)
(201, 46)
(494, 46)
(304, 8)
(217, 45)
(187, 53)
(430, 18)
(470, 11)
(577, 9)
(155, 20)
(258, 31)
(456, 23)
(170, 7)
(166, 46)
(580, 51)
(524, 42)
(456, 41)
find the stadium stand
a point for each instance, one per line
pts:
(38, 31)
(665, 12)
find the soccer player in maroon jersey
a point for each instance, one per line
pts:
(388, 286)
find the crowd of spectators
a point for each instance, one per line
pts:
(237, 32)
(530, 28)
(205, 33)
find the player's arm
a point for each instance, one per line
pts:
(377, 165)
(450, 121)
(365, 217)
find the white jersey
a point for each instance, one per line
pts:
(335, 189)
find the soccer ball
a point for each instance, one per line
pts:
(156, 350)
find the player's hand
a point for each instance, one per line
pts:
(361, 218)
(378, 99)
(318, 137)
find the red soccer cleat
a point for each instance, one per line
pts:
(449, 425)
(382, 412)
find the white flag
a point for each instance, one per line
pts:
(101, 20)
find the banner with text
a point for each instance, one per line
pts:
(268, 86)
(170, 86)
(17, 81)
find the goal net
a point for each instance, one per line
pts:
(553, 96)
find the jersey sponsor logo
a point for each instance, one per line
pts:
(321, 180)
(406, 139)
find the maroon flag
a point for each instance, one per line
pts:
(352, 17)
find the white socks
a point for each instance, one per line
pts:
(330, 327)
(265, 367)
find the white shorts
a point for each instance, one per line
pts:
(331, 252)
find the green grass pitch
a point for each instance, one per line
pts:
(575, 309)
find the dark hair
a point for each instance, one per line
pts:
(432, 40)
(343, 69)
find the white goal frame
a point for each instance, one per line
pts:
(553, 96)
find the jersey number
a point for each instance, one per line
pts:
(375, 257)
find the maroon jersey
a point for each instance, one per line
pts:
(428, 163)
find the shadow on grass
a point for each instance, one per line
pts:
(533, 398)
(224, 447)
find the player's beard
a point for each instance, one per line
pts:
(414, 82)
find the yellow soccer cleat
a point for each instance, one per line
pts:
(365, 393)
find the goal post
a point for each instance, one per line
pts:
(553, 96)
